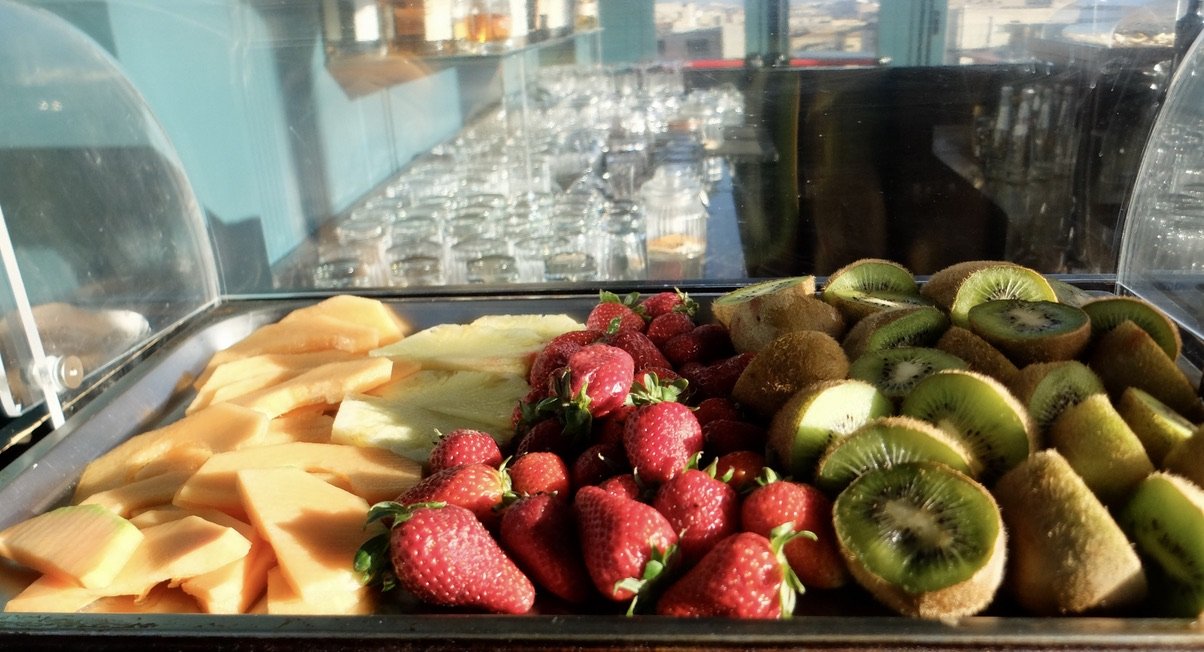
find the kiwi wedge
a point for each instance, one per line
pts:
(885, 442)
(941, 287)
(788, 364)
(925, 540)
(815, 416)
(978, 353)
(869, 285)
(887, 329)
(1070, 294)
(754, 324)
(1067, 555)
(771, 292)
(998, 283)
(1032, 331)
(1165, 520)
(1106, 313)
(1048, 388)
(896, 371)
(1127, 356)
(1186, 458)
(1101, 448)
(979, 412)
(1159, 428)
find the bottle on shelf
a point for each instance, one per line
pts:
(354, 28)
(422, 26)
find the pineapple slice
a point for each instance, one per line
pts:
(500, 344)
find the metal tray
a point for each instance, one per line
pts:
(150, 394)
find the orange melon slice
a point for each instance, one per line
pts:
(128, 499)
(312, 332)
(245, 375)
(177, 550)
(302, 425)
(50, 594)
(373, 474)
(315, 528)
(86, 545)
(161, 600)
(358, 310)
(327, 384)
(282, 599)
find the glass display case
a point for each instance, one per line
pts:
(173, 177)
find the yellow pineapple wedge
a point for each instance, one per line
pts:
(500, 344)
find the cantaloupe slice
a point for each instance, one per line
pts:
(358, 310)
(50, 594)
(217, 428)
(315, 528)
(136, 496)
(161, 600)
(86, 544)
(313, 332)
(327, 384)
(282, 599)
(177, 550)
(302, 425)
(245, 375)
(373, 474)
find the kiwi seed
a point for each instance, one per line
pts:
(1101, 448)
(1032, 331)
(1106, 313)
(815, 416)
(896, 371)
(1165, 520)
(1048, 388)
(885, 442)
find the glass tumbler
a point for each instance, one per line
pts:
(416, 263)
(570, 267)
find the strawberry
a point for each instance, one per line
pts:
(624, 484)
(740, 469)
(817, 561)
(705, 343)
(596, 379)
(555, 354)
(442, 555)
(726, 435)
(642, 350)
(476, 487)
(597, 463)
(666, 302)
(540, 472)
(609, 429)
(743, 576)
(717, 378)
(660, 439)
(719, 407)
(702, 510)
(540, 534)
(545, 435)
(463, 446)
(625, 543)
(665, 327)
(614, 313)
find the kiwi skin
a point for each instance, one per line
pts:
(1101, 448)
(1025, 348)
(1159, 428)
(980, 354)
(754, 324)
(1105, 313)
(1069, 381)
(1187, 458)
(1128, 356)
(1067, 555)
(768, 294)
(786, 365)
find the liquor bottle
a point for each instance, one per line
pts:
(422, 26)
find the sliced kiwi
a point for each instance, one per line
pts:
(1127, 356)
(1165, 520)
(997, 283)
(815, 416)
(1159, 428)
(941, 287)
(980, 354)
(754, 324)
(1186, 458)
(887, 329)
(771, 292)
(885, 442)
(1070, 294)
(1067, 555)
(979, 412)
(1101, 448)
(869, 285)
(788, 364)
(896, 371)
(1048, 388)
(925, 540)
(1108, 312)
(1032, 331)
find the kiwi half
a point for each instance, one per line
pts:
(1108, 312)
(869, 285)
(815, 416)
(1127, 356)
(1070, 294)
(1032, 331)
(1159, 428)
(887, 329)
(979, 412)
(772, 292)
(1165, 520)
(789, 363)
(752, 325)
(998, 283)
(885, 442)
(941, 287)
(1048, 388)
(1067, 555)
(978, 353)
(896, 371)
(925, 540)
(1101, 448)
(1186, 458)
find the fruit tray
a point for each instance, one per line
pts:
(150, 394)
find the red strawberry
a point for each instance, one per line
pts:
(463, 446)
(442, 555)
(705, 343)
(660, 439)
(740, 469)
(726, 435)
(624, 484)
(476, 487)
(545, 435)
(540, 472)
(743, 576)
(625, 543)
(718, 407)
(597, 463)
(555, 354)
(665, 327)
(717, 378)
(608, 430)
(817, 562)
(541, 535)
(701, 509)
(642, 350)
(614, 313)
(597, 379)
(667, 302)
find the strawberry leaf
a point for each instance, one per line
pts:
(372, 559)
(649, 389)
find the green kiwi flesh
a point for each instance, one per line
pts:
(724, 305)
(1165, 520)
(924, 539)
(978, 353)
(1159, 428)
(909, 326)
(1048, 388)
(1186, 458)
(1101, 448)
(1106, 313)
(885, 442)
(896, 371)
(978, 411)
(807, 424)
(1070, 294)
(1127, 356)
(868, 285)
(1032, 331)
(1067, 555)
(788, 364)
(996, 283)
